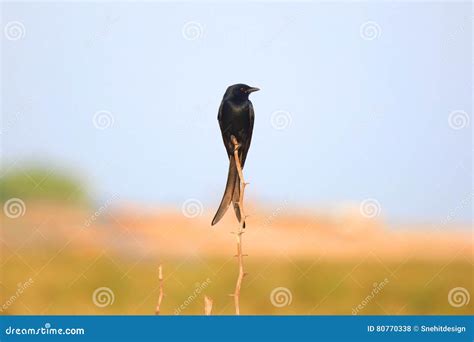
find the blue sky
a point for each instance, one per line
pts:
(365, 118)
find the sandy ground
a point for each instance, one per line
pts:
(167, 232)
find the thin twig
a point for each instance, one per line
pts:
(161, 293)
(207, 306)
(240, 231)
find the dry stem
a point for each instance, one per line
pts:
(240, 231)
(207, 306)
(161, 293)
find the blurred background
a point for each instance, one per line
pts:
(360, 169)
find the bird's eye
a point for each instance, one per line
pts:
(242, 90)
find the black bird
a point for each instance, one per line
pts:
(236, 117)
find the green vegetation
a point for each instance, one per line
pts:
(41, 184)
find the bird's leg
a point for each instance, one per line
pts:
(240, 231)
(235, 143)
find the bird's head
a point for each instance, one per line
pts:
(240, 91)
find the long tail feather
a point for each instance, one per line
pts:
(232, 177)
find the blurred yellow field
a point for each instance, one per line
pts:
(67, 260)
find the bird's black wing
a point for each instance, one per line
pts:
(225, 130)
(246, 143)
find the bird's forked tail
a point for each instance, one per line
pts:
(231, 193)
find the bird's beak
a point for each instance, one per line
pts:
(251, 90)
